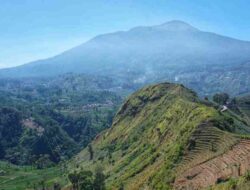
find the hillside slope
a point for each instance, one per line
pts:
(160, 136)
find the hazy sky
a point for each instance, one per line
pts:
(36, 29)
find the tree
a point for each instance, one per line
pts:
(121, 187)
(42, 184)
(99, 181)
(57, 186)
(85, 180)
(82, 180)
(2, 152)
(221, 98)
(73, 178)
(43, 161)
(91, 152)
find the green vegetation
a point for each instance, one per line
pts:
(26, 177)
(82, 180)
(241, 106)
(45, 121)
(242, 183)
(221, 98)
(160, 131)
(85, 180)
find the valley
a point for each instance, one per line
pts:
(162, 137)
(45, 121)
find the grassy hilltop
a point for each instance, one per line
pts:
(159, 132)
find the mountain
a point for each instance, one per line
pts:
(164, 137)
(174, 51)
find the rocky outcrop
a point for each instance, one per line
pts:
(31, 124)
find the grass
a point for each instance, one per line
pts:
(25, 177)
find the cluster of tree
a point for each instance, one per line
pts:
(221, 98)
(62, 136)
(10, 129)
(71, 110)
(24, 145)
(41, 185)
(86, 180)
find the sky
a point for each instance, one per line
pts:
(38, 29)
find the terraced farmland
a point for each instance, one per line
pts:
(232, 164)
(206, 142)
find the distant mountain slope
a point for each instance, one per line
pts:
(160, 139)
(174, 51)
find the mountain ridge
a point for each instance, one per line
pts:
(169, 23)
(173, 51)
(159, 133)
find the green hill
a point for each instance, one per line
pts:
(161, 132)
